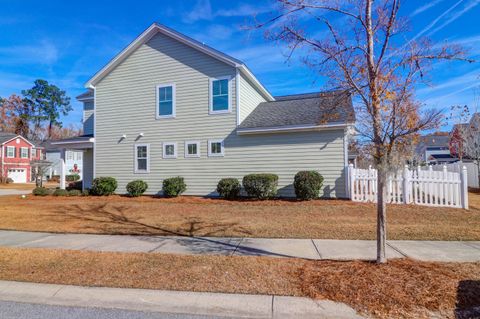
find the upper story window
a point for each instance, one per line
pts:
(24, 152)
(169, 150)
(165, 101)
(220, 95)
(215, 148)
(10, 151)
(192, 149)
(142, 162)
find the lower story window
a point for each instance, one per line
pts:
(215, 148)
(141, 158)
(192, 149)
(169, 150)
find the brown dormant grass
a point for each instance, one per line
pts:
(193, 216)
(399, 289)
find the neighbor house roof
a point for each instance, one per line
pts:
(435, 140)
(312, 110)
(5, 137)
(159, 28)
(86, 96)
(76, 139)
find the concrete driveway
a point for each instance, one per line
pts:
(12, 191)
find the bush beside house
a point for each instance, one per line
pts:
(41, 191)
(103, 186)
(229, 188)
(261, 186)
(307, 184)
(173, 187)
(136, 188)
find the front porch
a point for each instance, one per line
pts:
(80, 143)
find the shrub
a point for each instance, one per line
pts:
(86, 192)
(104, 186)
(136, 188)
(74, 192)
(75, 185)
(261, 186)
(9, 180)
(60, 192)
(307, 184)
(41, 191)
(72, 177)
(172, 187)
(229, 188)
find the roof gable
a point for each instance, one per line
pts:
(158, 28)
(7, 137)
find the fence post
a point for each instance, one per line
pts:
(464, 187)
(406, 183)
(350, 181)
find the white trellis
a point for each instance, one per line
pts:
(417, 186)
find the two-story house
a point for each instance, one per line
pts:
(168, 105)
(16, 154)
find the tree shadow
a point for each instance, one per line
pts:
(114, 219)
(468, 300)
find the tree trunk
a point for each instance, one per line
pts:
(381, 216)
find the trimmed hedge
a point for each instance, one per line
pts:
(307, 184)
(74, 192)
(229, 188)
(136, 188)
(72, 178)
(103, 186)
(261, 186)
(41, 191)
(75, 185)
(60, 192)
(172, 187)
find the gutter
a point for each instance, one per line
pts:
(291, 128)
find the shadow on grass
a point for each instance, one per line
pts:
(468, 300)
(111, 219)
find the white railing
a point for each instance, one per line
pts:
(418, 186)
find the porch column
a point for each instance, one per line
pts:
(62, 168)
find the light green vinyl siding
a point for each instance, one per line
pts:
(126, 105)
(250, 97)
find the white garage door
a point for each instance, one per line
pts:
(18, 175)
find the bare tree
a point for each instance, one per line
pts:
(359, 46)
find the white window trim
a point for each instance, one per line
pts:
(164, 147)
(22, 149)
(186, 149)
(136, 170)
(210, 107)
(8, 149)
(174, 108)
(210, 154)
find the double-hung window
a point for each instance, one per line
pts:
(165, 101)
(142, 162)
(192, 149)
(24, 152)
(220, 95)
(10, 151)
(215, 148)
(169, 150)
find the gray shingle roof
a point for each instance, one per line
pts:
(6, 136)
(85, 95)
(302, 109)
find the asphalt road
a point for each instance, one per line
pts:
(15, 310)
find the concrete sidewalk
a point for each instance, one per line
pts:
(198, 303)
(448, 251)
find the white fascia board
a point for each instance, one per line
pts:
(292, 128)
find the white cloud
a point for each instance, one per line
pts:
(203, 11)
(456, 15)
(43, 52)
(425, 7)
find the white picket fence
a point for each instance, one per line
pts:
(418, 186)
(472, 171)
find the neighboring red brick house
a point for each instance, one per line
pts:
(16, 152)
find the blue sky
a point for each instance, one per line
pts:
(67, 42)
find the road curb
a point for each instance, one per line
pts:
(180, 302)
